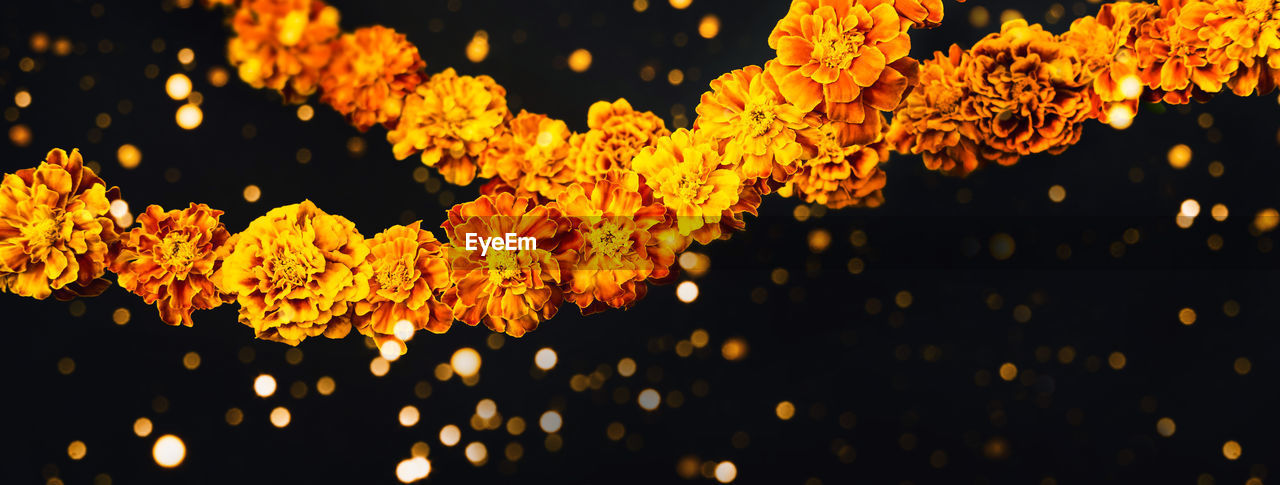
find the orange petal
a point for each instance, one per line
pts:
(794, 51)
(801, 91)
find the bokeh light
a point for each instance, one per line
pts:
(169, 451)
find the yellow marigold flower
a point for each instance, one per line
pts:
(1246, 33)
(372, 71)
(283, 44)
(844, 58)
(1175, 60)
(296, 273)
(617, 133)
(752, 123)
(410, 275)
(450, 119)
(169, 258)
(54, 231)
(533, 154)
(619, 253)
(1028, 91)
(685, 173)
(510, 291)
(932, 123)
(838, 174)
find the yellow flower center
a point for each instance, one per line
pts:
(610, 240)
(177, 250)
(758, 115)
(45, 232)
(292, 27)
(503, 265)
(1261, 9)
(836, 50)
(288, 270)
(689, 186)
(396, 274)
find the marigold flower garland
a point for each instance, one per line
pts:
(609, 208)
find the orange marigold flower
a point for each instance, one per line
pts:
(932, 123)
(1175, 60)
(752, 124)
(1028, 91)
(1106, 46)
(1246, 33)
(532, 154)
(283, 44)
(918, 14)
(55, 234)
(844, 59)
(509, 290)
(410, 275)
(372, 71)
(296, 273)
(450, 119)
(619, 253)
(169, 258)
(838, 174)
(684, 170)
(617, 133)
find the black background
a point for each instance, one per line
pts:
(812, 341)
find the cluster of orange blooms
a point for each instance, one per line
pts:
(1024, 90)
(610, 208)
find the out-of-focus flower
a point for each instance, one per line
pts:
(410, 275)
(296, 273)
(686, 175)
(1028, 92)
(844, 60)
(1175, 61)
(619, 253)
(533, 154)
(838, 174)
(450, 119)
(55, 234)
(917, 14)
(509, 290)
(169, 258)
(752, 124)
(932, 122)
(372, 71)
(617, 133)
(1106, 46)
(283, 44)
(1244, 36)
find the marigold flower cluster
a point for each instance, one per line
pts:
(606, 211)
(1023, 90)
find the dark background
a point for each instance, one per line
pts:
(883, 393)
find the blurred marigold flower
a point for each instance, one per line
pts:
(532, 154)
(685, 173)
(932, 123)
(617, 133)
(1175, 60)
(1245, 38)
(283, 44)
(752, 124)
(372, 71)
(410, 275)
(55, 234)
(844, 59)
(451, 120)
(169, 258)
(511, 290)
(296, 272)
(836, 173)
(1028, 91)
(619, 253)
